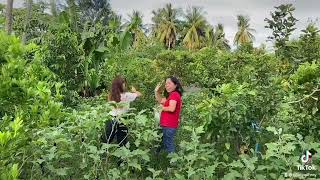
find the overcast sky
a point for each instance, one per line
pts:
(224, 11)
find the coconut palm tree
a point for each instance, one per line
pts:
(165, 25)
(136, 28)
(244, 34)
(215, 37)
(194, 28)
(114, 24)
(133, 33)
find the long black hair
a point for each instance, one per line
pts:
(175, 81)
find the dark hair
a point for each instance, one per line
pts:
(116, 89)
(175, 81)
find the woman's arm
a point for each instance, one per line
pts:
(172, 106)
(133, 89)
(157, 93)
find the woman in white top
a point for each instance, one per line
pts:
(122, 98)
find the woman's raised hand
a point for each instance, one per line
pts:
(133, 89)
(158, 88)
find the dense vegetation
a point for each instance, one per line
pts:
(247, 113)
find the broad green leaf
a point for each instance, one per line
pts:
(227, 145)
(199, 130)
(211, 169)
(134, 164)
(248, 164)
(260, 177)
(61, 171)
(273, 176)
(299, 136)
(225, 157)
(236, 164)
(190, 172)
(232, 175)
(15, 171)
(272, 129)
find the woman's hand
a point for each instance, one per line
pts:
(158, 88)
(157, 93)
(133, 89)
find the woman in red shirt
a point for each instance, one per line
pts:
(170, 114)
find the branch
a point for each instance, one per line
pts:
(307, 96)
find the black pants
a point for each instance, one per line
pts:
(115, 129)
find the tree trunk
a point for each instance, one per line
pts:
(27, 20)
(73, 14)
(9, 17)
(53, 7)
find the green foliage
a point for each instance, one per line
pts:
(2, 16)
(61, 53)
(165, 25)
(94, 11)
(29, 100)
(137, 72)
(306, 73)
(308, 45)
(282, 25)
(194, 25)
(244, 34)
(174, 63)
(36, 27)
(195, 160)
(245, 115)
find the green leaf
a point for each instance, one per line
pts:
(179, 177)
(273, 176)
(190, 172)
(299, 136)
(232, 175)
(227, 145)
(114, 173)
(262, 167)
(309, 139)
(199, 130)
(314, 110)
(16, 125)
(15, 171)
(210, 169)
(61, 171)
(236, 164)
(253, 93)
(225, 157)
(260, 177)
(154, 172)
(135, 165)
(248, 164)
(272, 129)
(125, 40)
